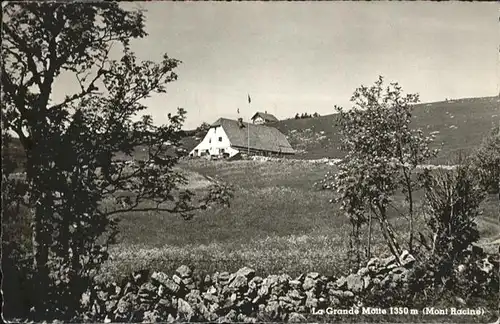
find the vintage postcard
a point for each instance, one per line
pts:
(250, 162)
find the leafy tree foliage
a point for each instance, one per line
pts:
(202, 130)
(305, 115)
(382, 155)
(487, 160)
(203, 127)
(72, 185)
(453, 198)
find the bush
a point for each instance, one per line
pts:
(16, 253)
(472, 281)
(18, 293)
(452, 199)
(487, 161)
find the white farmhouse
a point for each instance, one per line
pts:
(263, 117)
(227, 137)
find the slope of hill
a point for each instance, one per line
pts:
(462, 124)
(188, 142)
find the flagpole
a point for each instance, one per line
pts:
(248, 126)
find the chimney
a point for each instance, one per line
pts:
(240, 122)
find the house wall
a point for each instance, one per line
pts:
(211, 144)
(244, 150)
(259, 121)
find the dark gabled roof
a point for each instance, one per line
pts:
(265, 116)
(261, 137)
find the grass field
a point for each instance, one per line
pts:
(461, 123)
(277, 222)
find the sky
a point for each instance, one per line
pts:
(309, 56)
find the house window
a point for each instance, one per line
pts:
(221, 151)
(209, 140)
(220, 139)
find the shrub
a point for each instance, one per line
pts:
(452, 200)
(487, 161)
(16, 257)
(472, 281)
(16, 239)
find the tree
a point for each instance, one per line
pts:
(382, 155)
(73, 186)
(202, 129)
(453, 202)
(297, 116)
(487, 160)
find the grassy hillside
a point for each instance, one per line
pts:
(461, 124)
(16, 152)
(277, 222)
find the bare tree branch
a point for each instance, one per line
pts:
(23, 46)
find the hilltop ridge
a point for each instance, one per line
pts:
(461, 125)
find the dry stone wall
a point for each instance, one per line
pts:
(242, 296)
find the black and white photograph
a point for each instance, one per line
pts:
(250, 162)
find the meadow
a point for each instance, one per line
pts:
(277, 222)
(460, 124)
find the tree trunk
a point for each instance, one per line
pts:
(40, 258)
(351, 248)
(410, 209)
(64, 237)
(355, 248)
(388, 232)
(387, 238)
(392, 236)
(359, 246)
(368, 248)
(41, 207)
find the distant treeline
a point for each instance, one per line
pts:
(200, 131)
(306, 115)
